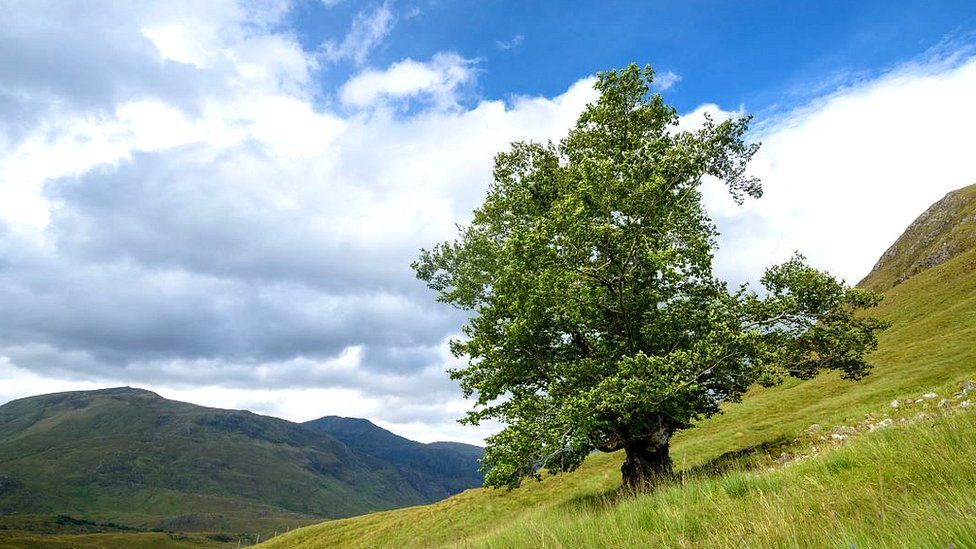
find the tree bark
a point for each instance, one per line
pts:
(646, 465)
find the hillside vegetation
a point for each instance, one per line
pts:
(438, 469)
(908, 485)
(132, 459)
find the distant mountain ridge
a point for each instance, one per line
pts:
(132, 457)
(446, 466)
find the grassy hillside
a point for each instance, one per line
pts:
(131, 457)
(921, 496)
(438, 469)
(945, 230)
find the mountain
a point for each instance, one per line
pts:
(468, 450)
(909, 484)
(945, 230)
(130, 457)
(441, 469)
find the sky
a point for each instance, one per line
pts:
(219, 201)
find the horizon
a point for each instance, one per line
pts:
(219, 203)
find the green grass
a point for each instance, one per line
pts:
(150, 540)
(924, 495)
(909, 486)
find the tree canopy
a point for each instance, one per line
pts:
(595, 319)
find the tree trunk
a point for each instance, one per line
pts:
(647, 464)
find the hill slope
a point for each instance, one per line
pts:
(132, 457)
(945, 230)
(437, 469)
(926, 480)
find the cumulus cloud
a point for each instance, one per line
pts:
(845, 174)
(436, 81)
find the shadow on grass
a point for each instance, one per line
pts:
(757, 456)
(599, 501)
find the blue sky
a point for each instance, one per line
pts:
(761, 54)
(219, 200)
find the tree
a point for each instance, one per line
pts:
(595, 321)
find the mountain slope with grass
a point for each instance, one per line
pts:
(132, 458)
(945, 230)
(907, 485)
(438, 469)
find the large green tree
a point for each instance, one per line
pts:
(595, 320)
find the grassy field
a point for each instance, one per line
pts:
(149, 540)
(911, 485)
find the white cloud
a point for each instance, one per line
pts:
(846, 174)
(436, 80)
(368, 30)
(511, 43)
(666, 80)
(693, 120)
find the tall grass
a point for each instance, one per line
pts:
(906, 486)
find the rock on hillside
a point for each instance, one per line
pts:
(945, 230)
